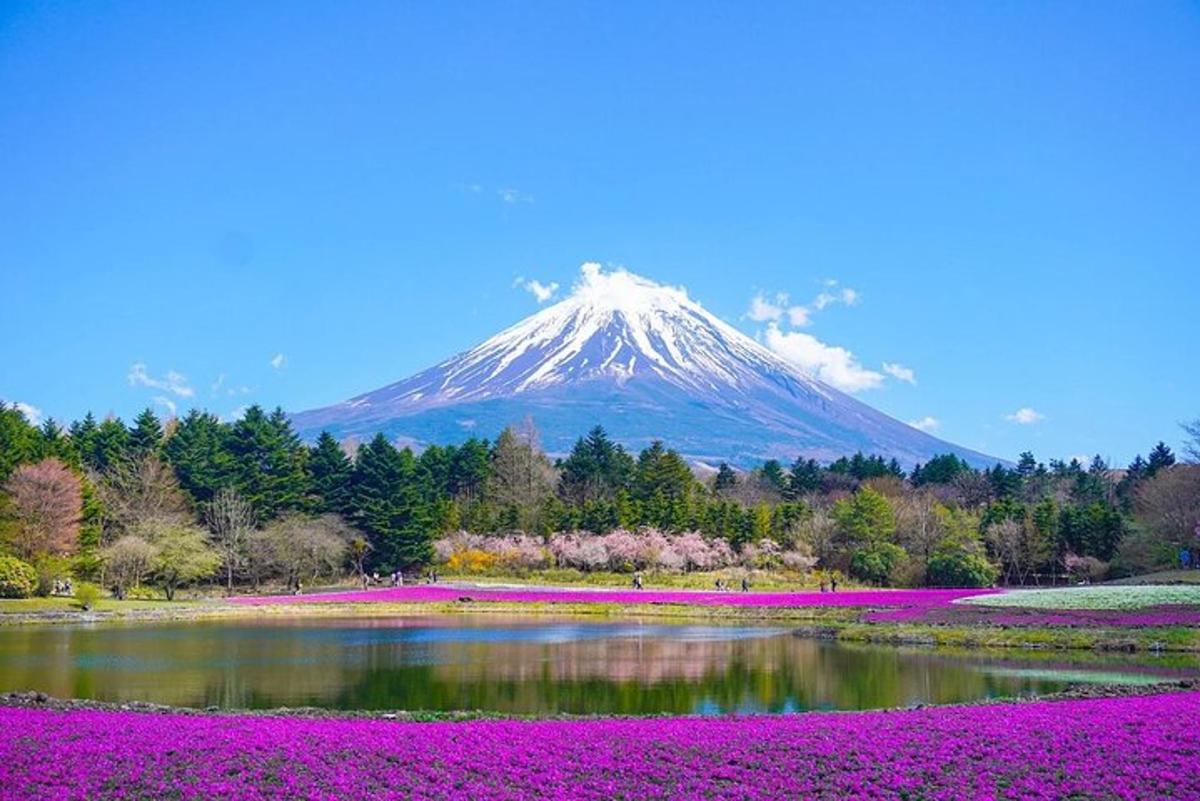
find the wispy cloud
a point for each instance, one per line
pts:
(166, 403)
(833, 295)
(777, 308)
(174, 383)
(900, 372)
(508, 195)
(799, 316)
(1025, 416)
(832, 364)
(513, 196)
(926, 423)
(278, 361)
(541, 292)
(763, 309)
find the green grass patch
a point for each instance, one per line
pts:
(1117, 597)
(1177, 638)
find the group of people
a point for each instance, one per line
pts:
(722, 584)
(63, 587)
(396, 579)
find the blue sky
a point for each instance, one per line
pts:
(191, 192)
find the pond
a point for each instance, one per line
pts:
(527, 666)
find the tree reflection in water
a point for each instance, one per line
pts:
(523, 666)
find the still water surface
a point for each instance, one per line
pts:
(525, 666)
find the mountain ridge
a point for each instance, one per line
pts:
(647, 362)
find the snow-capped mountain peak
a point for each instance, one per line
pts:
(645, 360)
(614, 325)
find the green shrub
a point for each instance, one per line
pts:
(877, 563)
(142, 592)
(86, 595)
(958, 568)
(17, 579)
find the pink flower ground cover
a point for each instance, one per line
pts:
(1116, 748)
(426, 593)
(970, 615)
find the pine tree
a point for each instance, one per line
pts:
(146, 435)
(268, 462)
(18, 440)
(469, 470)
(772, 477)
(596, 469)
(939, 470)
(725, 480)
(198, 452)
(1159, 458)
(53, 444)
(329, 475)
(387, 506)
(111, 444)
(805, 477)
(83, 435)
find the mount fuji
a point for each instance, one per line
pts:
(645, 361)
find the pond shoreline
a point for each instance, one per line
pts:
(843, 623)
(43, 701)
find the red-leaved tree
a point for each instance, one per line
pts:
(43, 511)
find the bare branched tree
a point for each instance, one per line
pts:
(135, 491)
(230, 519)
(1008, 540)
(1192, 446)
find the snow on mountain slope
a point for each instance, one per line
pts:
(645, 361)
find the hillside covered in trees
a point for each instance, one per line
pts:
(247, 502)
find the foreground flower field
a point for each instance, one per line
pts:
(1127, 748)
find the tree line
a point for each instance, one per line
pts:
(183, 500)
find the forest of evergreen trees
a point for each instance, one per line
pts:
(199, 499)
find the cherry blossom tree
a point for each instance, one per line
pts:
(44, 511)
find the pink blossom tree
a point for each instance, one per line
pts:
(44, 511)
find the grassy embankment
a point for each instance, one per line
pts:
(834, 623)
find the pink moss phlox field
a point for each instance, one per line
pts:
(426, 593)
(960, 614)
(1121, 748)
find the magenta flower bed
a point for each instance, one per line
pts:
(919, 599)
(1127, 748)
(963, 614)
